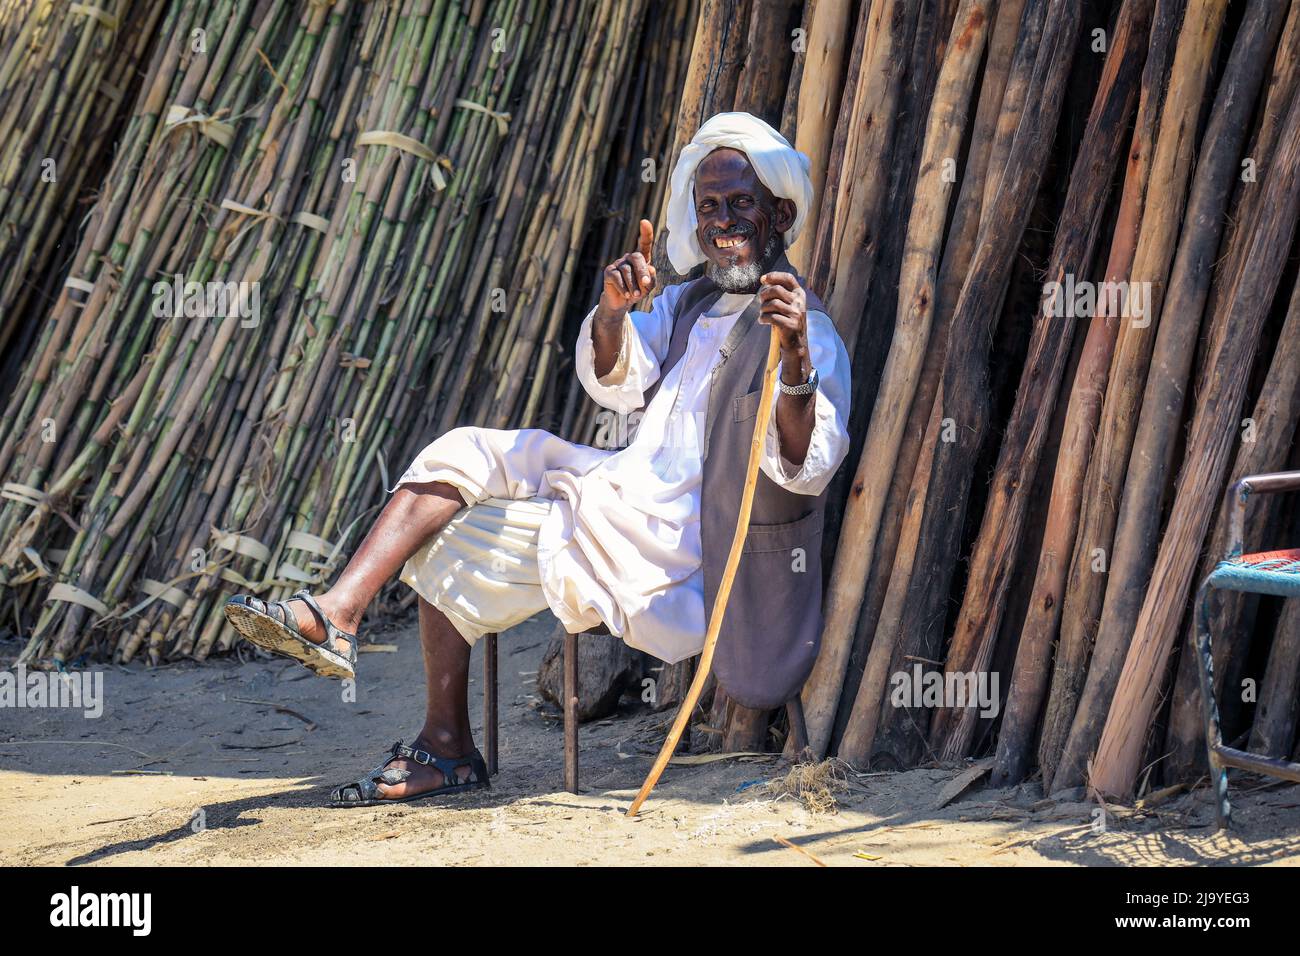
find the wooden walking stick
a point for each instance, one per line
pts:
(728, 576)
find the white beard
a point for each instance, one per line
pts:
(739, 278)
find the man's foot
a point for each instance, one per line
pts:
(310, 627)
(424, 777)
(410, 773)
(275, 626)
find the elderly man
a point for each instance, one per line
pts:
(490, 527)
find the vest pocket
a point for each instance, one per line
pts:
(784, 537)
(746, 406)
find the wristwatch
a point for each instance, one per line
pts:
(807, 388)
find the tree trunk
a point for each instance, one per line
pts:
(607, 668)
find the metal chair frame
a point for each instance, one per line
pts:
(1269, 573)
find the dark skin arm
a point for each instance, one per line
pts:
(785, 306)
(627, 281)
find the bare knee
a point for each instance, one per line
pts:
(427, 502)
(435, 489)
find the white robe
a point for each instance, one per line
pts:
(621, 542)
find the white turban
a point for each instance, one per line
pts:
(779, 166)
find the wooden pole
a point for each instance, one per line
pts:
(1274, 417)
(1273, 422)
(728, 575)
(869, 145)
(717, 53)
(765, 74)
(998, 544)
(1032, 670)
(853, 559)
(1236, 335)
(1042, 63)
(1275, 717)
(1160, 410)
(895, 544)
(1093, 552)
(829, 30)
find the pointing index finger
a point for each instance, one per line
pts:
(647, 240)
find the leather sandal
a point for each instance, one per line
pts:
(365, 792)
(271, 625)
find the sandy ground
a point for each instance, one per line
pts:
(233, 781)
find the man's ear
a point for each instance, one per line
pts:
(785, 215)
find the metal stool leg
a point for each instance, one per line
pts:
(1276, 572)
(571, 712)
(490, 702)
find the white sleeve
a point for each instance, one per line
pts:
(646, 336)
(830, 435)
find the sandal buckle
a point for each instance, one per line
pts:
(422, 757)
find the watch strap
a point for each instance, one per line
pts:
(806, 388)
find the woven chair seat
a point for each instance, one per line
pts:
(1265, 572)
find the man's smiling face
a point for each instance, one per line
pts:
(740, 223)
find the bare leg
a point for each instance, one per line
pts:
(413, 515)
(446, 731)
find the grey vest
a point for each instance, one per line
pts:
(772, 626)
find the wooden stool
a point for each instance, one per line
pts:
(570, 708)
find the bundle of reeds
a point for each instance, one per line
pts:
(68, 72)
(634, 187)
(403, 190)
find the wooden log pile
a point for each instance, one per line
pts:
(1033, 494)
